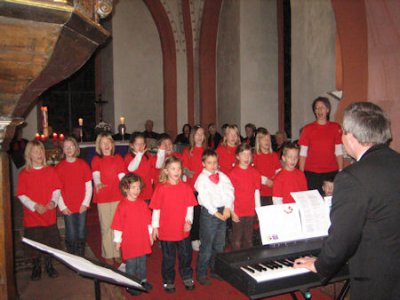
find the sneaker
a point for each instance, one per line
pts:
(204, 281)
(133, 292)
(169, 287)
(189, 284)
(216, 276)
(147, 285)
(196, 245)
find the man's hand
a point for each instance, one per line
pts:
(305, 262)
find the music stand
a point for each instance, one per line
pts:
(88, 269)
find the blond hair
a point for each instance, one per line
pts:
(170, 160)
(73, 141)
(98, 139)
(27, 154)
(234, 128)
(261, 133)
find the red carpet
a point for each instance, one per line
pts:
(217, 290)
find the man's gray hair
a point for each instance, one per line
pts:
(368, 123)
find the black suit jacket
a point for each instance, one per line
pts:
(365, 226)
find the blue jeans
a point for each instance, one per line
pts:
(75, 226)
(212, 238)
(137, 267)
(169, 248)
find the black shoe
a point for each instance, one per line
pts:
(147, 285)
(51, 272)
(37, 270)
(133, 292)
(216, 276)
(189, 284)
(169, 287)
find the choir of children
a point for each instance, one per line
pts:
(229, 183)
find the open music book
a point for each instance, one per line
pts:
(84, 267)
(307, 218)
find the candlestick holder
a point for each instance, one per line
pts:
(122, 130)
(81, 133)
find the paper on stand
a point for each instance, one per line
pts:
(314, 214)
(279, 223)
(84, 266)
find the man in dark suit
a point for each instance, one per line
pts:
(365, 215)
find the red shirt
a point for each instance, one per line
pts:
(289, 181)
(109, 168)
(226, 158)
(145, 172)
(245, 182)
(193, 162)
(39, 186)
(133, 219)
(321, 141)
(172, 200)
(73, 176)
(267, 164)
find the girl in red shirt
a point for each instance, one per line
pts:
(193, 166)
(267, 163)
(132, 229)
(137, 161)
(76, 194)
(172, 205)
(107, 170)
(38, 189)
(246, 181)
(165, 149)
(226, 150)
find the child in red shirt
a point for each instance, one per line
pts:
(137, 161)
(108, 169)
(226, 150)
(267, 163)
(76, 194)
(172, 205)
(246, 181)
(165, 149)
(192, 166)
(132, 229)
(289, 179)
(38, 189)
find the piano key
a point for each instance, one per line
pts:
(273, 273)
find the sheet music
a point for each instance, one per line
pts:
(279, 223)
(314, 214)
(83, 265)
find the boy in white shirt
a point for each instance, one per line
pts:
(216, 195)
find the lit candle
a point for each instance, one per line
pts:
(45, 124)
(43, 137)
(122, 120)
(80, 121)
(61, 137)
(55, 136)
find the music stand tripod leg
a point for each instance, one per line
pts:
(345, 289)
(97, 291)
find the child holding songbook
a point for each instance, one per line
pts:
(172, 204)
(246, 181)
(132, 229)
(289, 179)
(215, 197)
